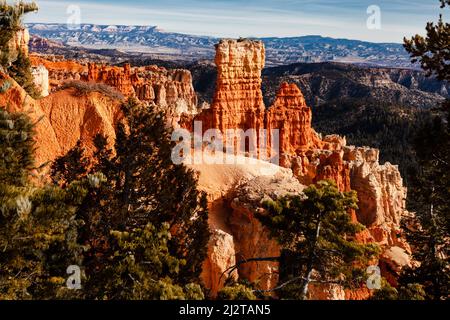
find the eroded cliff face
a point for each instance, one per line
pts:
(238, 105)
(290, 114)
(41, 80)
(170, 91)
(63, 118)
(235, 193)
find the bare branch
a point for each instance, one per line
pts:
(238, 264)
(284, 284)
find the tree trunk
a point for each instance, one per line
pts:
(310, 266)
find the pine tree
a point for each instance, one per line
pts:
(38, 229)
(16, 64)
(145, 222)
(433, 51)
(430, 191)
(317, 237)
(20, 71)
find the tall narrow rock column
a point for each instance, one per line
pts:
(238, 100)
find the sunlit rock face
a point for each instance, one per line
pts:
(63, 118)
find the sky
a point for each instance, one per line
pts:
(254, 18)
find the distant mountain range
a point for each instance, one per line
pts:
(176, 46)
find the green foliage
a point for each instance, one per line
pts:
(11, 14)
(38, 227)
(316, 233)
(16, 148)
(236, 291)
(16, 64)
(5, 86)
(20, 70)
(412, 291)
(141, 267)
(145, 224)
(432, 51)
(387, 292)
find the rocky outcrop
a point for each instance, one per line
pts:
(116, 77)
(169, 90)
(18, 43)
(15, 99)
(238, 105)
(381, 195)
(235, 192)
(251, 238)
(221, 256)
(63, 118)
(292, 117)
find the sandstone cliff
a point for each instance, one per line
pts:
(169, 90)
(63, 118)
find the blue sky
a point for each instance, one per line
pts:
(259, 18)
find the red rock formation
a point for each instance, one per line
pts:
(292, 117)
(63, 118)
(238, 100)
(119, 78)
(221, 256)
(171, 91)
(238, 105)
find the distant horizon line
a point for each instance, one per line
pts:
(162, 30)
